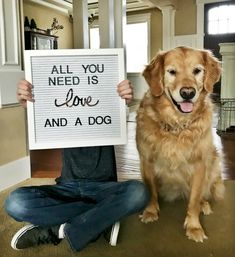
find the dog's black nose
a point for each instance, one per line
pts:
(187, 93)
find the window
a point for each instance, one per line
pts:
(136, 41)
(94, 38)
(136, 46)
(221, 19)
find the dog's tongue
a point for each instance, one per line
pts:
(186, 106)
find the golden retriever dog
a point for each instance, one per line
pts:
(174, 137)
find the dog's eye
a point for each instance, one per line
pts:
(172, 72)
(196, 71)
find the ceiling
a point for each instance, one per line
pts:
(132, 5)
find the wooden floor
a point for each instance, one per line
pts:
(47, 163)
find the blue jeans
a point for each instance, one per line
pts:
(87, 208)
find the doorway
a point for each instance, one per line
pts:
(218, 28)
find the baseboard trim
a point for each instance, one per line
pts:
(14, 172)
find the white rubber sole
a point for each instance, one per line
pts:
(19, 233)
(114, 234)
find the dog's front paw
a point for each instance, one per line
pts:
(194, 232)
(149, 216)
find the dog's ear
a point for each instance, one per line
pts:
(154, 73)
(212, 71)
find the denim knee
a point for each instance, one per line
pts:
(137, 196)
(15, 205)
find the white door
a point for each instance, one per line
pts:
(10, 50)
(16, 167)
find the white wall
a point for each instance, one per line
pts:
(227, 50)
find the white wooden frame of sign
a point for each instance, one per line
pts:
(76, 100)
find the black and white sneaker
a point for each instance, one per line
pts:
(111, 234)
(31, 235)
(114, 234)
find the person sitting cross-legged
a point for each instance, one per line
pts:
(86, 200)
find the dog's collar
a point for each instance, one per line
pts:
(173, 128)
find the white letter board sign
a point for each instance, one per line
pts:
(76, 100)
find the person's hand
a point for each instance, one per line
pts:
(125, 90)
(24, 92)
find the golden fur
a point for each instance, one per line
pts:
(174, 134)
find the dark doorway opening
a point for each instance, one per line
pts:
(212, 41)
